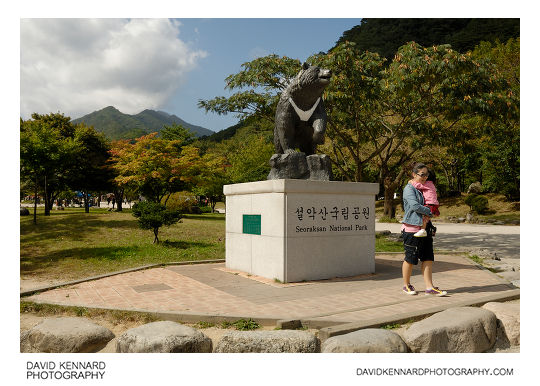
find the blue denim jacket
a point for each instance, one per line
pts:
(413, 204)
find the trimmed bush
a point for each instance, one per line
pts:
(153, 215)
(477, 203)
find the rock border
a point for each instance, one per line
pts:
(483, 330)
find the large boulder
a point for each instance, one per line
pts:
(368, 340)
(24, 211)
(475, 187)
(508, 329)
(163, 337)
(276, 341)
(459, 329)
(65, 335)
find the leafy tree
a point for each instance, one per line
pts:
(498, 143)
(154, 167)
(211, 178)
(380, 116)
(36, 148)
(248, 153)
(89, 171)
(427, 93)
(352, 99)
(421, 98)
(153, 215)
(47, 148)
(177, 132)
(264, 78)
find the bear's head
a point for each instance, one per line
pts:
(313, 74)
(311, 81)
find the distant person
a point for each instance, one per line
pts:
(429, 191)
(417, 248)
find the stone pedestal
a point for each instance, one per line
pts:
(295, 230)
(299, 166)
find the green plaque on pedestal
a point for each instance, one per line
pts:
(251, 224)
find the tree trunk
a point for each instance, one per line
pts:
(86, 206)
(390, 187)
(389, 209)
(52, 198)
(119, 197)
(156, 240)
(35, 200)
(46, 199)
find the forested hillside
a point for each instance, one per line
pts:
(117, 125)
(385, 36)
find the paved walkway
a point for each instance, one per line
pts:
(206, 291)
(502, 239)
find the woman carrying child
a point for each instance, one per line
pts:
(430, 200)
(417, 248)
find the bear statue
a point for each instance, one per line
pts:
(300, 123)
(300, 120)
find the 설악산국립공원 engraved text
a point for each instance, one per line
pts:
(335, 213)
(331, 218)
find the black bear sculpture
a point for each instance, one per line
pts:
(300, 120)
(300, 123)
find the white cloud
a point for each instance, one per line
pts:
(76, 66)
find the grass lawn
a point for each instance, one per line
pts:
(71, 244)
(383, 244)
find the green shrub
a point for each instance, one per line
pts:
(469, 199)
(182, 202)
(153, 215)
(246, 325)
(477, 203)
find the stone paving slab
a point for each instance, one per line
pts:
(209, 291)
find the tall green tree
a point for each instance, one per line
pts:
(431, 91)
(89, 170)
(499, 139)
(46, 151)
(417, 101)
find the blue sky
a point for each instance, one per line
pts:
(76, 66)
(231, 42)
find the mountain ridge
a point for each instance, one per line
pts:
(117, 125)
